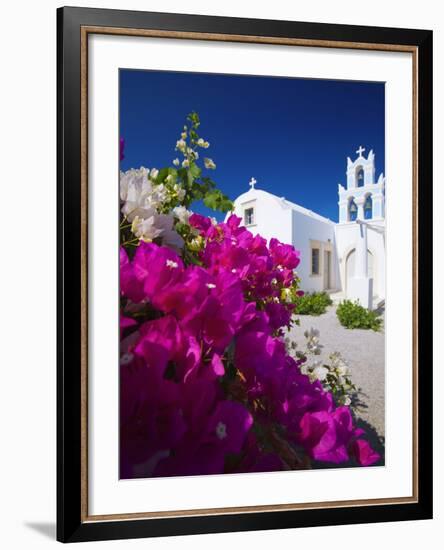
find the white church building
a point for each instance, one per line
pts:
(346, 259)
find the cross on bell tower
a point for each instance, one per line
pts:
(360, 150)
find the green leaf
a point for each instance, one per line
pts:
(190, 179)
(163, 173)
(212, 199)
(209, 182)
(182, 173)
(193, 117)
(195, 170)
(197, 191)
(216, 200)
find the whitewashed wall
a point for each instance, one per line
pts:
(346, 236)
(306, 228)
(271, 220)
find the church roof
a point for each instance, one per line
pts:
(307, 212)
(283, 202)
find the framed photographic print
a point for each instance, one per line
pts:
(244, 274)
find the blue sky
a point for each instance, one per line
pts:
(293, 135)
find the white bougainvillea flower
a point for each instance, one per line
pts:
(135, 189)
(202, 143)
(134, 182)
(180, 191)
(343, 369)
(154, 173)
(157, 226)
(146, 229)
(320, 372)
(158, 195)
(313, 344)
(176, 162)
(182, 214)
(172, 239)
(305, 369)
(181, 145)
(209, 164)
(140, 196)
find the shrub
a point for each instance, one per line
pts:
(353, 315)
(314, 303)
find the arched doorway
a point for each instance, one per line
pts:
(350, 267)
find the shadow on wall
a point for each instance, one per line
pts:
(47, 529)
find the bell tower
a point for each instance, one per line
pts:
(363, 198)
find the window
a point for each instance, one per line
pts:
(315, 261)
(360, 177)
(249, 216)
(368, 208)
(352, 210)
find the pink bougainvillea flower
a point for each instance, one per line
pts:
(151, 419)
(259, 356)
(255, 459)
(210, 324)
(202, 223)
(319, 437)
(130, 286)
(206, 353)
(228, 426)
(157, 268)
(184, 293)
(223, 255)
(221, 432)
(364, 454)
(284, 255)
(127, 322)
(160, 342)
(326, 435)
(279, 315)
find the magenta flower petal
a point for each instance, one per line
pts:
(364, 454)
(130, 286)
(229, 426)
(126, 322)
(217, 365)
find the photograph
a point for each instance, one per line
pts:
(252, 287)
(244, 274)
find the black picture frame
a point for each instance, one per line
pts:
(71, 523)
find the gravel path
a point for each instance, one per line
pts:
(364, 352)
